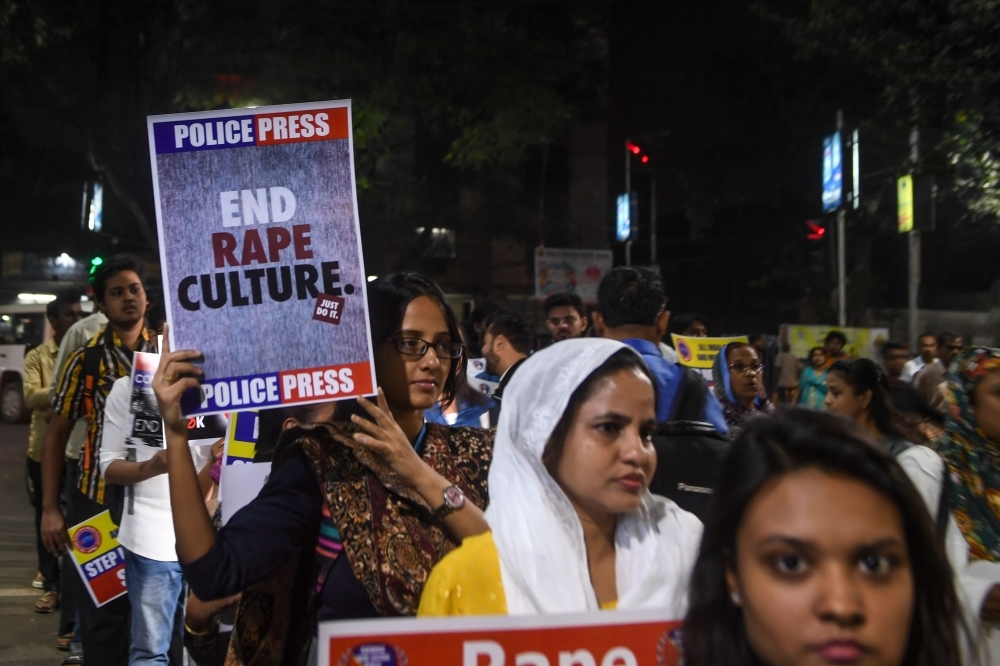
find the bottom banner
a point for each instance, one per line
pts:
(608, 638)
(98, 557)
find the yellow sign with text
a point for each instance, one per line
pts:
(904, 201)
(700, 353)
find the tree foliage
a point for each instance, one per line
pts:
(938, 65)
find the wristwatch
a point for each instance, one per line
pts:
(454, 499)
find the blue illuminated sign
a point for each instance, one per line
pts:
(833, 177)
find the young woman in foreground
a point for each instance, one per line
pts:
(573, 525)
(818, 550)
(356, 513)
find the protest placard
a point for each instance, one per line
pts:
(98, 558)
(620, 638)
(241, 479)
(695, 352)
(260, 252)
(144, 427)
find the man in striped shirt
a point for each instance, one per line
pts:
(81, 390)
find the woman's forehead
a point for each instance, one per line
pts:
(424, 315)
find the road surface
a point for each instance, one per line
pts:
(26, 637)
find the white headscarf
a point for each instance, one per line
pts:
(543, 557)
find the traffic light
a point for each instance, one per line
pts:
(95, 263)
(817, 231)
(634, 149)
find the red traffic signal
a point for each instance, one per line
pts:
(816, 230)
(633, 148)
(645, 159)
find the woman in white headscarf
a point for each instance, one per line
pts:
(573, 526)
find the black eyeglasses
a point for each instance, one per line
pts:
(418, 347)
(751, 370)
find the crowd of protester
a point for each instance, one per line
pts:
(791, 511)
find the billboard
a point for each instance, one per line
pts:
(578, 272)
(833, 173)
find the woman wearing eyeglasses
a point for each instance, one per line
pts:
(356, 512)
(738, 377)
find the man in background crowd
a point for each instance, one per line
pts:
(631, 308)
(927, 344)
(833, 347)
(479, 320)
(904, 397)
(82, 389)
(565, 316)
(39, 366)
(930, 381)
(691, 324)
(505, 346)
(787, 367)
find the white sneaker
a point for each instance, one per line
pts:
(39, 582)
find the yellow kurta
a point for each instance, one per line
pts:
(468, 582)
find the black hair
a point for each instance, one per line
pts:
(512, 328)
(680, 323)
(52, 307)
(630, 296)
(927, 334)
(864, 374)
(565, 300)
(623, 359)
(271, 424)
(112, 267)
(944, 337)
(814, 350)
(755, 336)
(835, 335)
(773, 446)
(892, 345)
(488, 309)
(388, 298)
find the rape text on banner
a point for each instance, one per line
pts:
(98, 558)
(260, 250)
(622, 638)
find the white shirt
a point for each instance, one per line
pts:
(973, 580)
(149, 530)
(912, 367)
(668, 353)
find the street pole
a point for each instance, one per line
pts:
(914, 248)
(628, 168)
(652, 216)
(841, 244)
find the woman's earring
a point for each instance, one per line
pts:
(736, 598)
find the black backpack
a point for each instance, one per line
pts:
(689, 451)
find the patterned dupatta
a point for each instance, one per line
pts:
(386, 530)
(973, 458)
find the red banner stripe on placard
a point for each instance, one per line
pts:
(645, 644)
(330, 383)
(298, 126)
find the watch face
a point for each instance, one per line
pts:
(454, 497)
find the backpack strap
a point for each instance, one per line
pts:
(689, 403)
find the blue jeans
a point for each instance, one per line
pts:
(156, 590)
